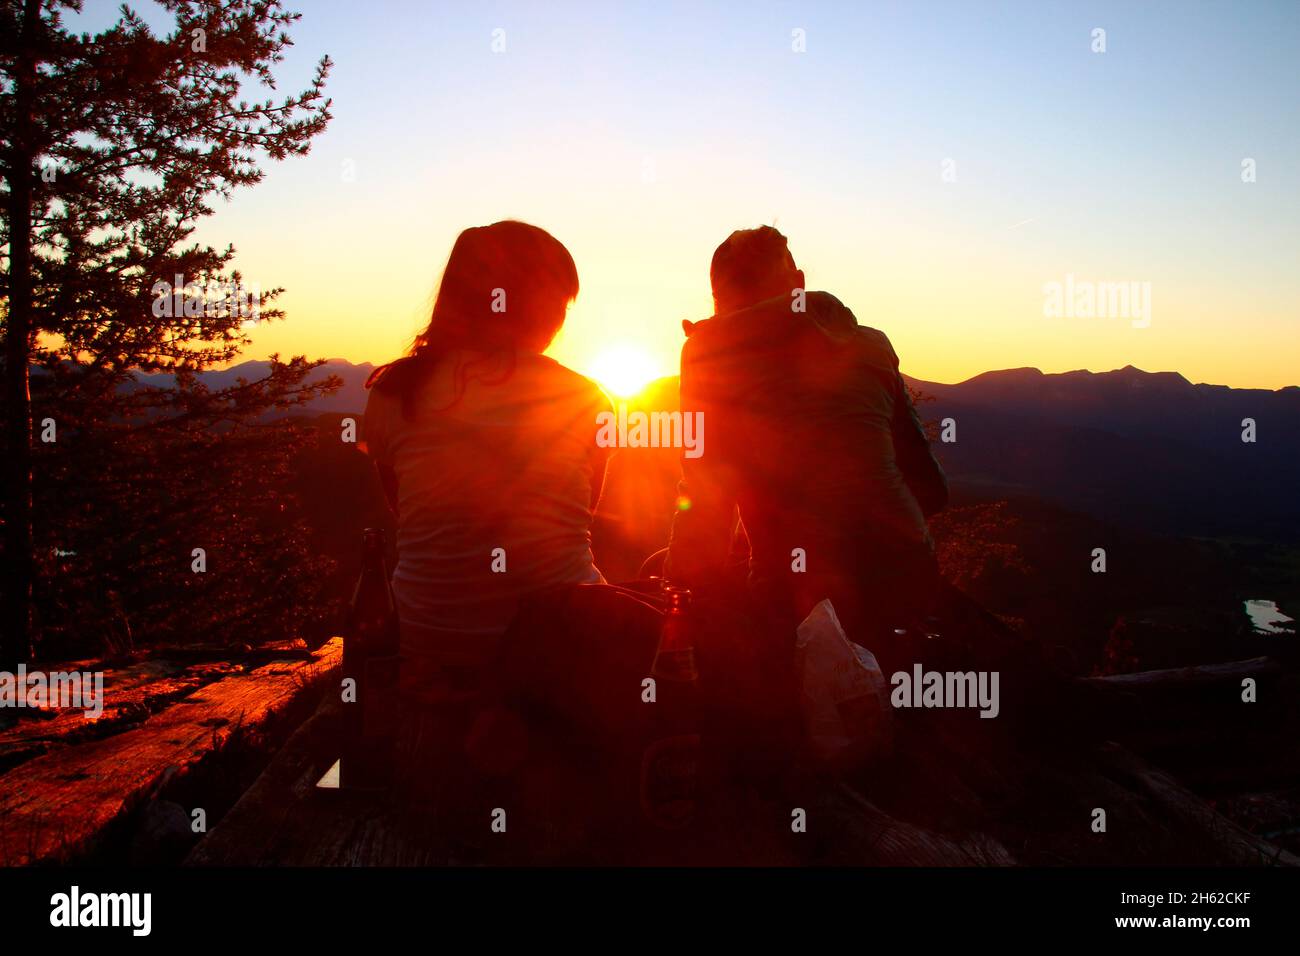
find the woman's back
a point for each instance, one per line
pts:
(509, 464)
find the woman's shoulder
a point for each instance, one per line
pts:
(562, 381)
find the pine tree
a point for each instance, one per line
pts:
(112, 148)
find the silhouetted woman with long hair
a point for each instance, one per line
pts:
(486, 451)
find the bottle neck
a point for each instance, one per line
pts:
(373, 549)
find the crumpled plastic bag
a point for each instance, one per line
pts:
(844, 695)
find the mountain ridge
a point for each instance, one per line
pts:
(1150, 449)
(1021, 377)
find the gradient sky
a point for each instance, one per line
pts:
(642, 134)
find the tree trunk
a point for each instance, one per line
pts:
(16, 636)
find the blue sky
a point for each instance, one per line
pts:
(641, 134)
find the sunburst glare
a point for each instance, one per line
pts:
(624, 369)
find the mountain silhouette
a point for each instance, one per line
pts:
(350, 397)
(1149, 449)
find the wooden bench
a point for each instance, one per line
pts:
(66, 786)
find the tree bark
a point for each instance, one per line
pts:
(16, 636)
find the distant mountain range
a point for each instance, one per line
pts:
(1134, 403)
(351, 397)
(1144, 448)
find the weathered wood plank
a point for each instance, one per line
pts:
(1177, 678)
(130, 694)
(132, 691)
(57, 805)
(863, 834)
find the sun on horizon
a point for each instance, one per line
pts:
(624, 370)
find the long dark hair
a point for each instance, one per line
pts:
(506, 288)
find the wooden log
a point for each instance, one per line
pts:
(861, 834)
(1235, 845)
(57, 806)
(273, 823)
(132, 692)
(1177, 713)
(1200, 676)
